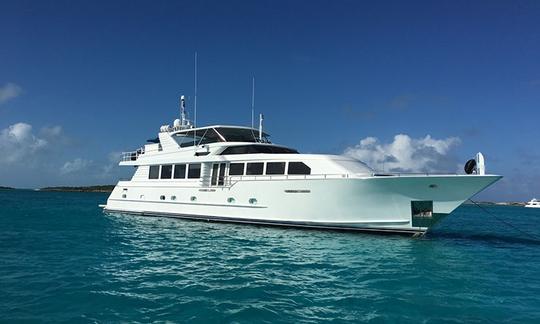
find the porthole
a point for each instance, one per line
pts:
(162, 197)
(253, 201)
(124, 196)
(230, 200)
(193, 198)
(173, 197)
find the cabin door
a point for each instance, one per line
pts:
(218, 174)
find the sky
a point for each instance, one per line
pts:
(404, 85)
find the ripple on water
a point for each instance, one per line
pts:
(65, 260)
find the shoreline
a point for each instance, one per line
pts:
(109, 189)
(100, 188)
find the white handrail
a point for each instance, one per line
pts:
(131, 156)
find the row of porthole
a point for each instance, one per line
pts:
(230, 200)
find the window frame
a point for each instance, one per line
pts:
(179, 165)
(165, 167)
(232, 164)
(284, 164)
(199, 167)
(298, 162)
(157, 174)
(254, 163)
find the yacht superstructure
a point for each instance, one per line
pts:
(235, 174)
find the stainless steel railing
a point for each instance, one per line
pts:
(131, 156)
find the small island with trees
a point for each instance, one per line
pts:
(101, 188)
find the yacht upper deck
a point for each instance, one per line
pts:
(174, 139)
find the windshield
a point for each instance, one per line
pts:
(257, 149)
(202, 136)
(242, 135)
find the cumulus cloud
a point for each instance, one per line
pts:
(406, 154)
(112, 162)
(75, 166)
(9, 91)
(18, 142)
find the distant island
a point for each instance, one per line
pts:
(503, 203)
(104, 188)
(6, 188)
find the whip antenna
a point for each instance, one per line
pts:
(253, 102)
(195, 106)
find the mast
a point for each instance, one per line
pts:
(183, 110)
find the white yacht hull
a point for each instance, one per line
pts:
(379, 203)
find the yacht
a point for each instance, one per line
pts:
(534, 203)
(235, 174)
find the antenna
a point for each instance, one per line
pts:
(195, 105)
(261, 118)
(253, 102)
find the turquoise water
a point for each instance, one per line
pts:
(62, 259)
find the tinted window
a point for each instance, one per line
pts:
(154, 172)
(298, 168)
(202, 136)
(215, 169)
(241, 135)
(236, 169)
(166, 171)
(194, 171)
(275, 168)
(254, 168)
(221, 179)
(180, 171)
(254, 149)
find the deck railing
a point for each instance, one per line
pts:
(131, 156)
(323, 176)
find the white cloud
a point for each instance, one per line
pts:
(18, 142)
(406, 154)
(9, 91)
(75, 166)
(113, 159)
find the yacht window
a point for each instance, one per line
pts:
(255, 149)
(298, 168)
(194, 171)
(236, 169)
(242, 135)
(154, 172)
(254, 168)
(166, 171)
(275, 168)
(199, 137)
(180, 171)
(215, 169)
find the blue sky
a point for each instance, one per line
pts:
(83, 80)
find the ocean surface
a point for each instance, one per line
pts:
(63, 260)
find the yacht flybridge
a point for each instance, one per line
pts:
(235, 174)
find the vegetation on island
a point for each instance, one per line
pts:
(103, 188)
